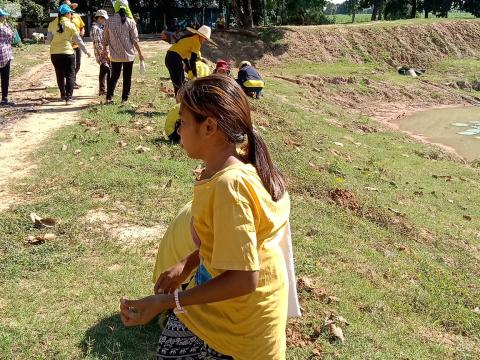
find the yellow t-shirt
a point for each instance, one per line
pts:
(79, 24)
(177, 243)
(62, 42)
(237, 221)
(186, 46)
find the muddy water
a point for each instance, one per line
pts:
(456, 128)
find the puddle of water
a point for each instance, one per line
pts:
(458, 128)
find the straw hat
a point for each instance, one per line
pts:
(102, 13)
(204, 31)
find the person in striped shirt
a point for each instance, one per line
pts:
(101, 17)
(121, 37)
(6, 56)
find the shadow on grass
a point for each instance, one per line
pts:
(110, 339)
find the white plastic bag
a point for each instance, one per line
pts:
(142, 67)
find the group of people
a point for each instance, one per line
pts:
(115, 41)
(224, 274)
(184, 56)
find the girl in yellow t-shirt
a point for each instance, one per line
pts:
(236, 304)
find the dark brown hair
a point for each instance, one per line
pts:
(221, 98)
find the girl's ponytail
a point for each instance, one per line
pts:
(60, 25)
(258, 156)
(123, 15)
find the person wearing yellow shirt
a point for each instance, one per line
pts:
(61, 32)
(80, 25)
(186, 51)
(236, 305)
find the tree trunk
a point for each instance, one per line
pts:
(239, 12)
(381, 5)
(264, 12)
(247, 8)
(374, 11)
(413, 14)
(353, 15)
(426, 14)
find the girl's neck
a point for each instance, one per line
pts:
(219, 161)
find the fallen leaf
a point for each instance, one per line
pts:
(338, 143)
(476, 310)
(64, 147)
(78, 151)
(168, 184)
(336, 333)
(49, 237)
(332, 298)
(149, 128)
(371, 188)
(39, 222)
(141, 149)
(467, 217)
(121, 143)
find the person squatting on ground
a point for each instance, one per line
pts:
(102, 59)
(61, 31)
(6, 56)
(186, 50)
(222, 67)
(80, 25)
(250, 80)
(121, 37)
(236, 305)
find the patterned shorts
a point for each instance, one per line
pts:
(177, 342)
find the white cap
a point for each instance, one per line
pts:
(245, 63)
(102, 13)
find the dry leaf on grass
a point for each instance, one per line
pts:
(476, 310)
(39, 222)
(141, 149)
(168, 184)
(121, 143)
(76, 152)
(64, 147)
(467, 217)
(40, 239)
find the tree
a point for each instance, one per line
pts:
(32, 12)
(243, 9)
(471, 6)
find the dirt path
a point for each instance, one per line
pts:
(20, 139)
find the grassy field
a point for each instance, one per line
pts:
(396, 254)
(360, 18)
(22, 62)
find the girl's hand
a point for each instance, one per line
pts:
(142, 311)
(171, 279)
(141, 57)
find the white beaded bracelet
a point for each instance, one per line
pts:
(178, 309)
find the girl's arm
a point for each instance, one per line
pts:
(229, 285)
(137, 47)
(172, 278)
(80, 43)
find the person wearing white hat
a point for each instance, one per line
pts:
(102, 59)
(250, 80)
(185, 51)
(6, 56)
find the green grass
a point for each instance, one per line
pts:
(362, 18)
(406, 283)
(26, 56)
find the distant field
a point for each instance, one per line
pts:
(345, 19)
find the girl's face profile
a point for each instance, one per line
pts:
(190, 138)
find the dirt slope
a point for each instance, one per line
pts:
(393, 44)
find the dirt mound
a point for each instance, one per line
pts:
(394, 44)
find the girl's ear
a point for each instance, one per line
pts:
(210, 126)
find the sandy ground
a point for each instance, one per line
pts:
(20, 139)
(22, 135)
